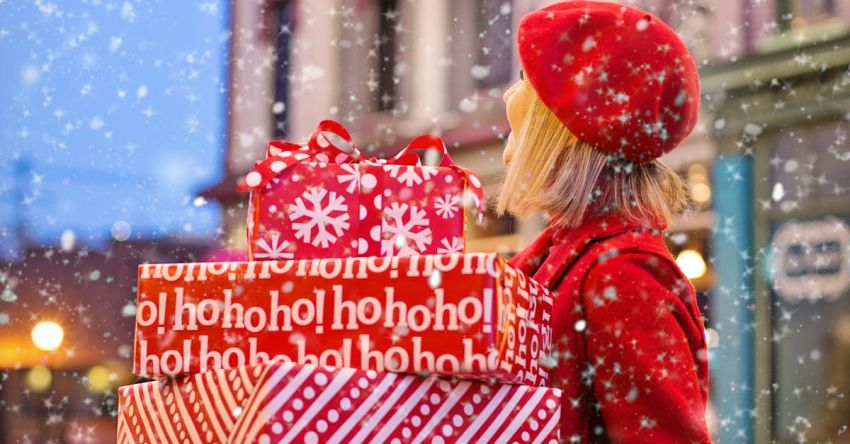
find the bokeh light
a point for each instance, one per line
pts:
(691, 263)
(47, 335)
(100, 378)
(39, 378)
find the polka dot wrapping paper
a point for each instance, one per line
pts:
(471, 316)
(284, 402)
(319, 200)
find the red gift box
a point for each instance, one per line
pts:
(325, 199)
(463, 315)
(311, 404)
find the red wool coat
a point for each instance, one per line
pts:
(630, 351)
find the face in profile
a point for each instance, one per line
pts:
(518, 99)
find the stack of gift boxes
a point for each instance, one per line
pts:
(357, 318)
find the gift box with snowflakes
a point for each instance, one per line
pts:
(283, 402)
(466, 315)
(325, 199)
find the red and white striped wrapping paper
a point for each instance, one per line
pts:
(284, 402)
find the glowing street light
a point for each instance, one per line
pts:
(691, 263)
(47, 335)
(99, 378)
(39, 378)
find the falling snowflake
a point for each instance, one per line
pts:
(8, 295)
(455, 246)
(446, 206)
(232, 338)
(351, 178)
(321, 214)
(404, 237)
(275, 250)
(409, 175)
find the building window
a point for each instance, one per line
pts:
(808, 168)
(811, 328)
(796, 14)
(809, 281)
(385, 44)
(369, 49)
(480, 49)
(690, 19)
(285, 14)
(495, 38)
(699, 184)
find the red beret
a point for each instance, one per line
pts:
(617, 77)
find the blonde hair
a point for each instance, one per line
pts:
(555, 172)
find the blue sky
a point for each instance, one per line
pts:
(113, 114)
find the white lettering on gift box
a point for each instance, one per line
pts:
(347, 313)
(514, 309)
(200, 352)
(528, 331)
(349, 269)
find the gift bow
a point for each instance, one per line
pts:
(281, 155)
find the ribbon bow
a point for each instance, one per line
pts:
(280, 155)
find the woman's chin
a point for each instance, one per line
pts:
(508, 151)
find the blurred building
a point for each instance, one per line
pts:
(66, 337)
(391, 70)
(781, 179)
(767, 164)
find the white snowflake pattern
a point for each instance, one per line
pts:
(446, 206)
(319, 215)
(351, 178)
(409, 176)
(275, 250)
(404, 237)
(455, 246)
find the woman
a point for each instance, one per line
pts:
(605, 90)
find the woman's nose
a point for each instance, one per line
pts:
(507, 94)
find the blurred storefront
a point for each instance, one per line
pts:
(780, 117)
(767, 165)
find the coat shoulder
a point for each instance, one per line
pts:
(639, 289)
(635, 271)
(635, 261)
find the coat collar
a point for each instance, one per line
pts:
(556, 249)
